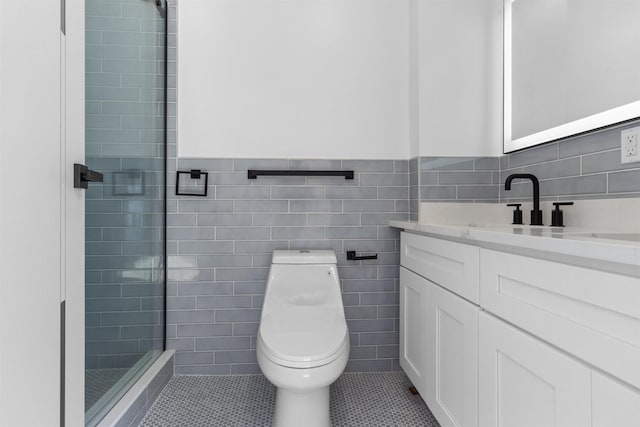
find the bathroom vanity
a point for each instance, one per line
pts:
(521, 326)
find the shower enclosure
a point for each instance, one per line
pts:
(125, 215)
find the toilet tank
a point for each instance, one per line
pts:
(304, 257)
(302, 278)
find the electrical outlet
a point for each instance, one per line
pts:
(629, 143)
(629, 152)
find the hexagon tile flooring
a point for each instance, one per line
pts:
(98, 381)
(357, 399)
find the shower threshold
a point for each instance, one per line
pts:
(104, 404)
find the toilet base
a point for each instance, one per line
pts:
(295, 408)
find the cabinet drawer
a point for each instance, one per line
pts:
(591, 314)
(452, 265)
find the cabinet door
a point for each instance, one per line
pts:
(526, 383)
(413, 325)
(452, 358)
(613, 403)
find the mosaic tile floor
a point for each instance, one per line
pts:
(357, 399)
(98, 381)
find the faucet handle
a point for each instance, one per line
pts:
(556, 214)
(517, 213)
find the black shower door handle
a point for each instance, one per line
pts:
(82, 176)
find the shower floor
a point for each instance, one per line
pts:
(98, 382)
(357, 399)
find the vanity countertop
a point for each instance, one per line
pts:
(610, 250)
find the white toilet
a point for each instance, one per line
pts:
(303, 341)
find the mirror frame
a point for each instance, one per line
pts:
(612, 117)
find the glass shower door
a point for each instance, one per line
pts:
(125, 215)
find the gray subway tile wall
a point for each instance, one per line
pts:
(584, 167)
(456, 179)
(213, 319)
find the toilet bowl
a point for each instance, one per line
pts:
(303, 342)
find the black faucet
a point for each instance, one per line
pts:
(536, 213)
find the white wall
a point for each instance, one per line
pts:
(460, 77)
(293, 78)
(414, 80)
(339, 78)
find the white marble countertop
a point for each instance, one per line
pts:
(611, 250)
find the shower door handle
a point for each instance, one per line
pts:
(82, 176)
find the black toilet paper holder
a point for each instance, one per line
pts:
(351, 256)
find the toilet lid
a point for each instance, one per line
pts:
(303, 337)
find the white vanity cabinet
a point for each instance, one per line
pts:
(439, 329)
(491, 338)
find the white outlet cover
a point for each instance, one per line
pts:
(629, 145)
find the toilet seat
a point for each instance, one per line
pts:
(303, 337)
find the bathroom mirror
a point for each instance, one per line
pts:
(571, 66)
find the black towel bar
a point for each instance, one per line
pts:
(253, 173)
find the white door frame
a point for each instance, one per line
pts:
(74, 212)
(41, 215)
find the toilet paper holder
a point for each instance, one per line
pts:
(351, 256)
